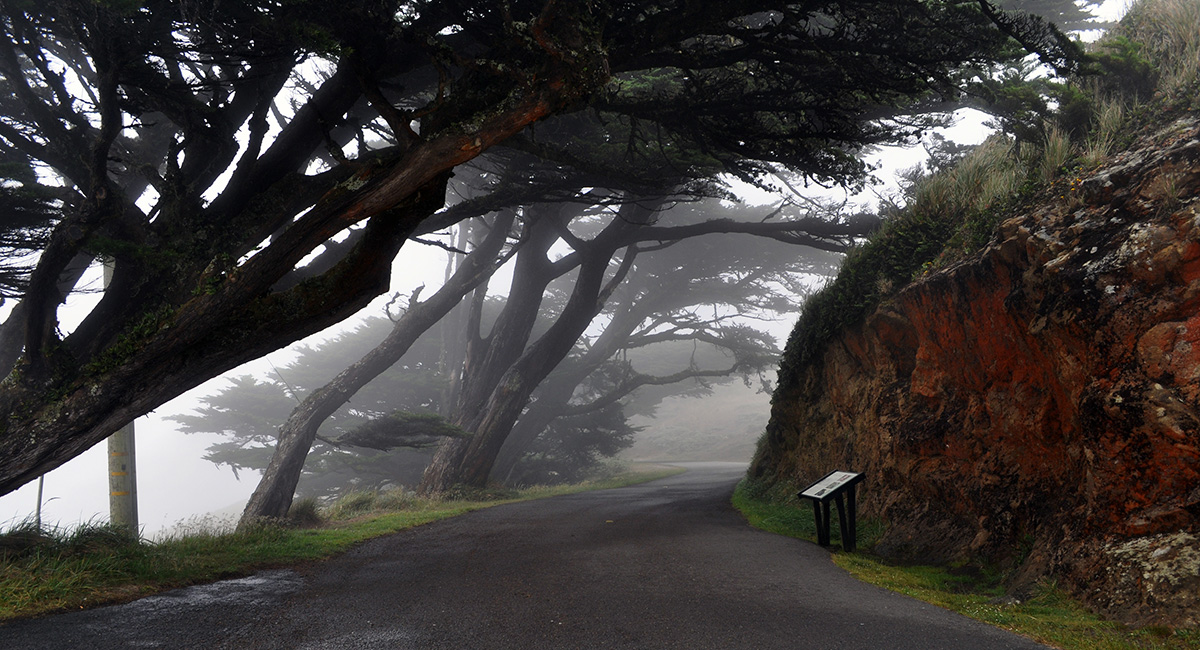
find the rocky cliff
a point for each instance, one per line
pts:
(1037, 405)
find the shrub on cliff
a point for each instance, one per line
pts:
(944, 211)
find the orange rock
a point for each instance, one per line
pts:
(1038, 405)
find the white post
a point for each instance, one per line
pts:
(41, 484)
(122, 480)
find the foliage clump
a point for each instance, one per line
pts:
(952, 210)
(572, 448)
(402, 429)
(305, 513)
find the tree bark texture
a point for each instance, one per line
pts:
(555, 393)
(518, 383)
(488, 357)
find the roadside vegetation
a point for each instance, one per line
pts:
(1048, 615)
(45, 570)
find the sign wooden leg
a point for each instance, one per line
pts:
(850, 536)
(823, 525)
(842, 529)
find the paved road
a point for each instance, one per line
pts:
(667, 564)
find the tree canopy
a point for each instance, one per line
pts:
(250, 169)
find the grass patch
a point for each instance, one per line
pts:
(784, 514)
(1049, 615)
(44, 571)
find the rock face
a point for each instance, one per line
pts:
(1039, 404)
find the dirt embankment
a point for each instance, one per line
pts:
(1038, 404)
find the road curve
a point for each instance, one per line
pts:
(667, 564)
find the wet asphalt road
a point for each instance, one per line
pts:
(667, 564)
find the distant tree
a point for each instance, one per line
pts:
(664, 291)
(699, 291)
(250, 411)
(273, 496)
(1068, 15)
(506, 364)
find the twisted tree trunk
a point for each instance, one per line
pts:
(470, 462)
(273, 496)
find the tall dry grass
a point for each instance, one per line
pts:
(1170, 30)
(984, 177)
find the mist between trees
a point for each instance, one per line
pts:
(252, 169)
(679, 314)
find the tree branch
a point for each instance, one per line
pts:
(637, 381)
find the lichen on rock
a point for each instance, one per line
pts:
(1164, 570)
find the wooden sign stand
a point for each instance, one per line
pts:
(835, 487)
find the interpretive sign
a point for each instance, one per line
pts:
(836, 487)
(830, 483)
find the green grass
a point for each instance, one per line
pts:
(787, 515)
(44, 571)
(1049, 616)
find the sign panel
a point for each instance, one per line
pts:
(826, 486)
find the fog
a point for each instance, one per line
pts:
(175, 485)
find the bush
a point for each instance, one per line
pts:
(1123, 69)
(351, 504)
(92, 537)
(24, 539)
(305, 513)
(395, 499)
